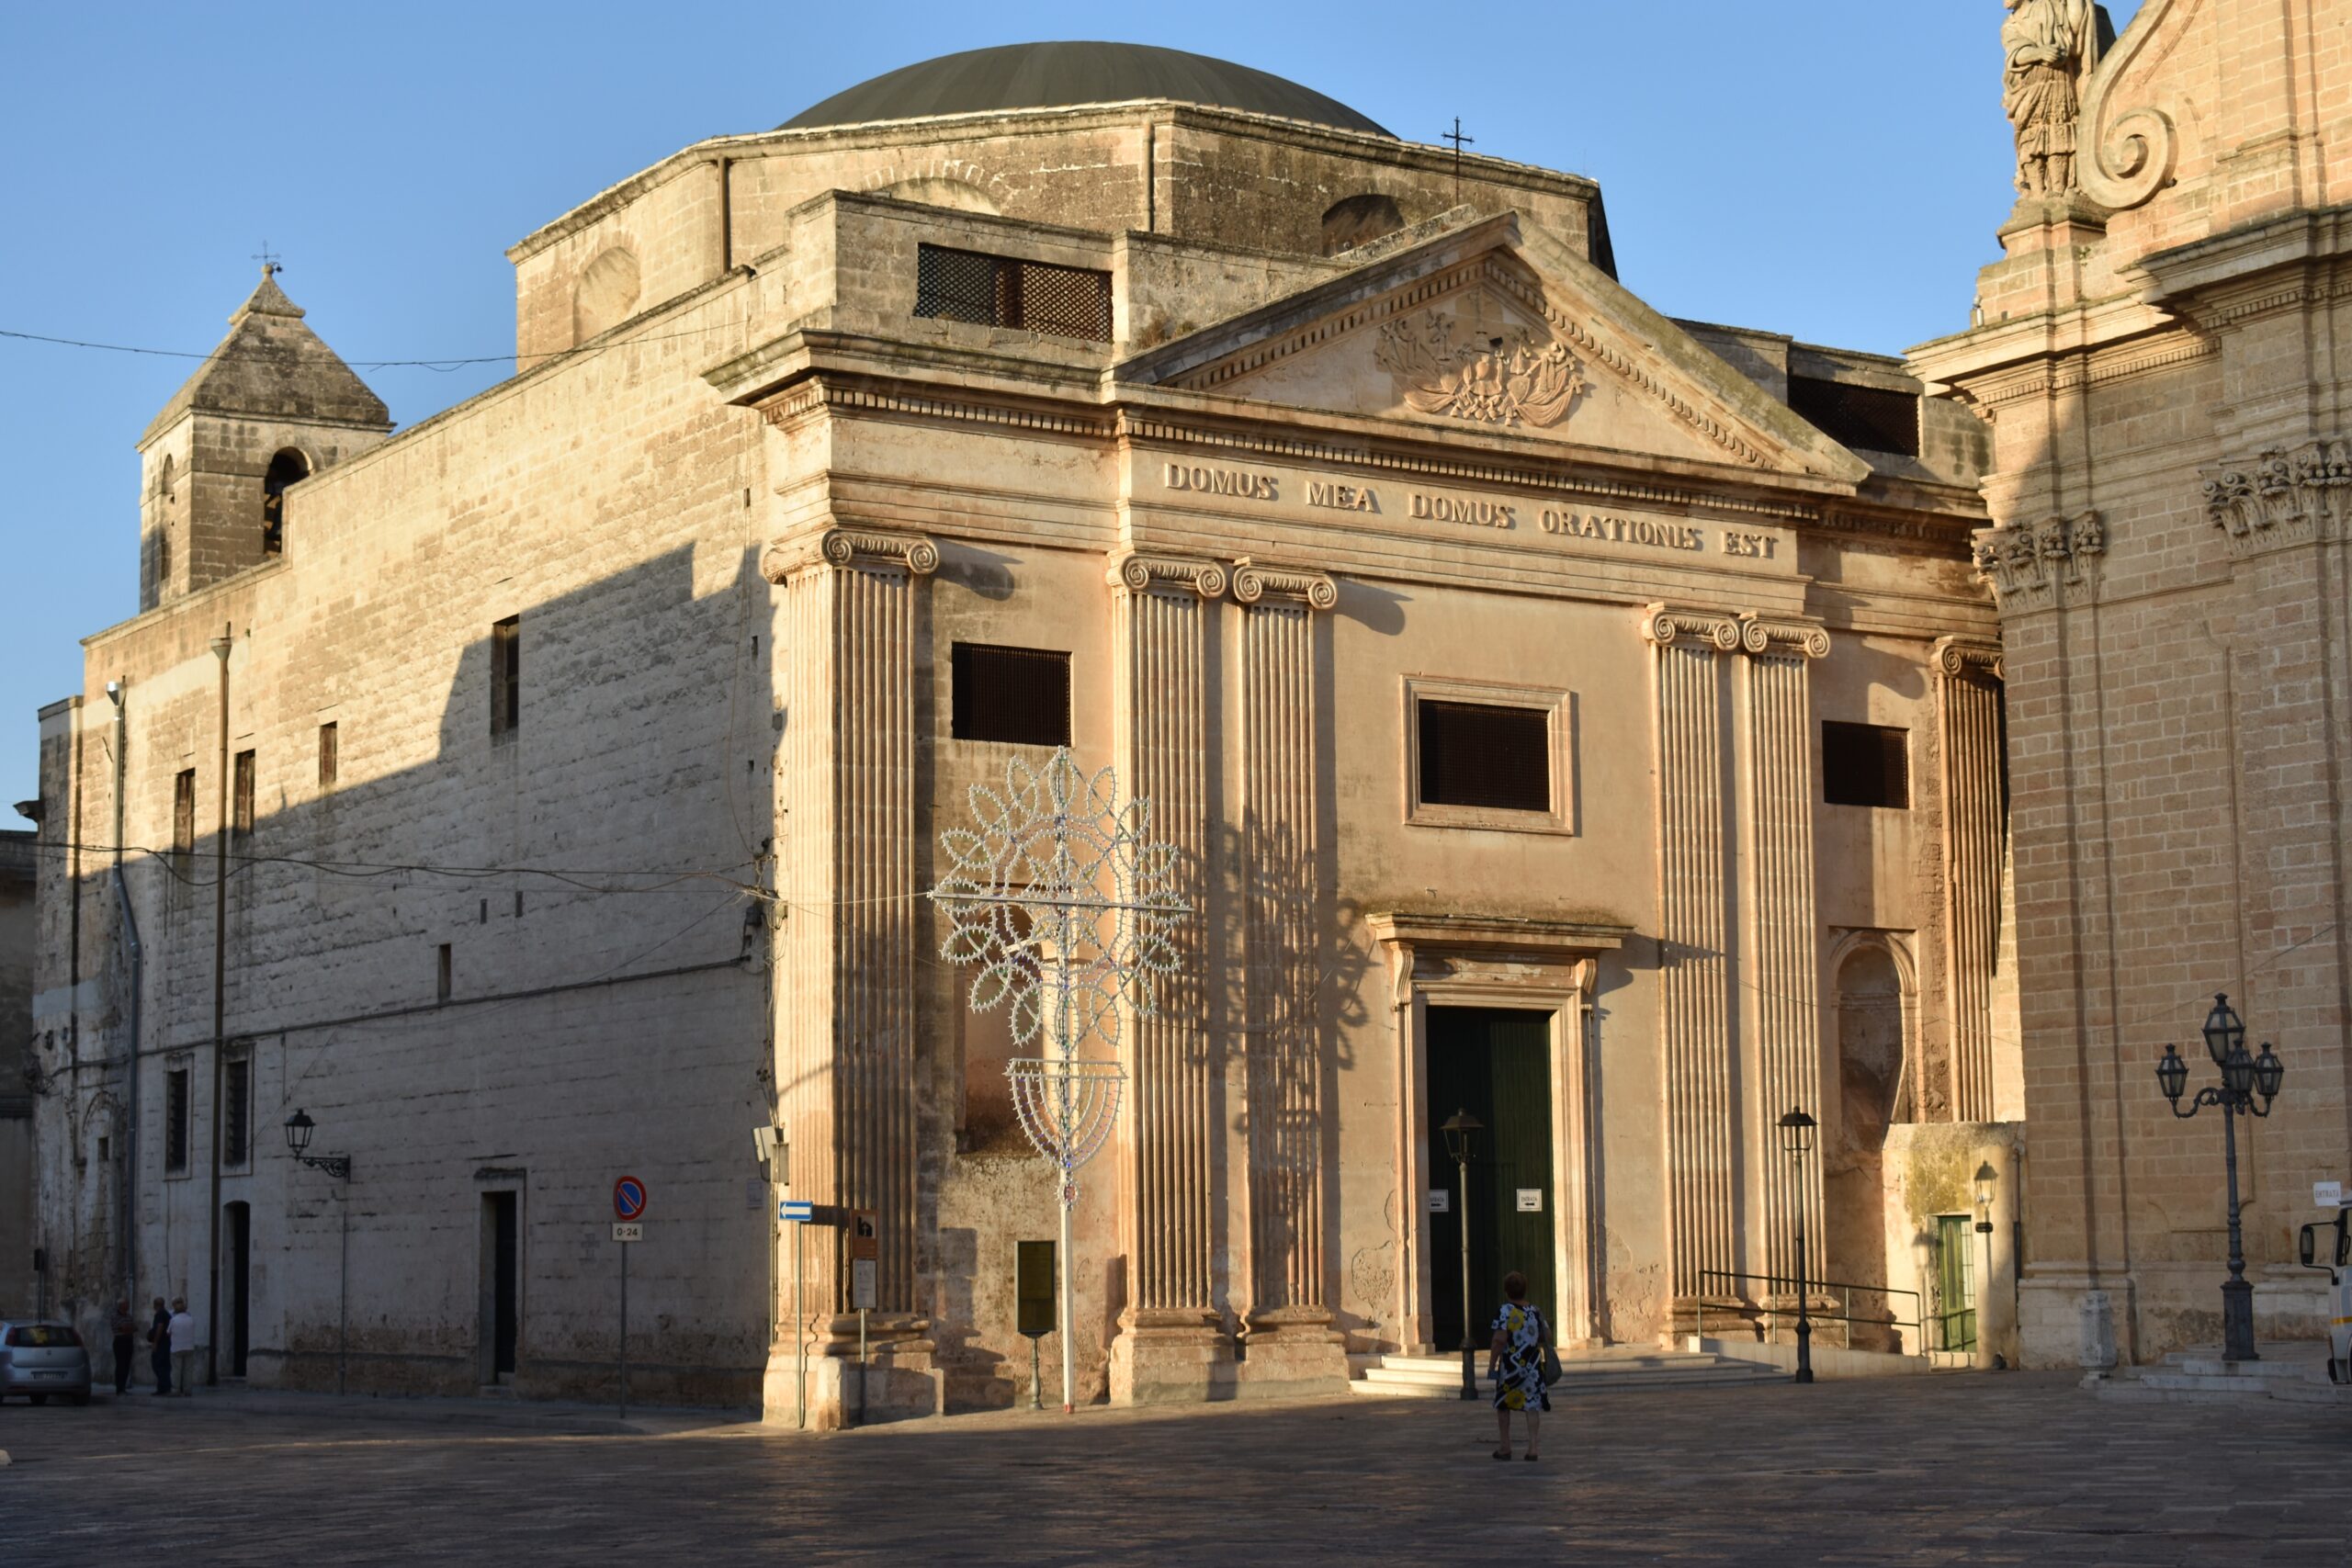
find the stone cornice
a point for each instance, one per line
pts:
(1167, 574)
(1960, 658)
(1781, 636)
(1256, 581)
(1666, 625)
(851, 549)
(2285, 496)
(2032, 565)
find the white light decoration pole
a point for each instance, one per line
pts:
(1065, 900)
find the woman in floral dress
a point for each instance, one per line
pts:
(1521, 1335)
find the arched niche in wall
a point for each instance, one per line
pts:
(1873, 995)
(606, 295)
(1359, 220)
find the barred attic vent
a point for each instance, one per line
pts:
(1865, 764)
(1006, 291)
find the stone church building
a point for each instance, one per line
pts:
(2160, 358)
(1579, 717)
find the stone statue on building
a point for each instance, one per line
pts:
(2049, 47)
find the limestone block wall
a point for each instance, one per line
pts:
(642, 764)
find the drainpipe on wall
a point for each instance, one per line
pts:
(138, 991)
(223, 646)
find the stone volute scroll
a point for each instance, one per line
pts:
(1762, 637)
(1168, 574)
(2125, 156)
(1666, 625)
(861, 549)
(1257, 581)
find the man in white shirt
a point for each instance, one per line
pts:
(182, 1331)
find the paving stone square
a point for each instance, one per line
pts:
(2021, 1468)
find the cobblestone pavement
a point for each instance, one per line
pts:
(2002, 1469)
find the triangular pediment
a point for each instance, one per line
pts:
(1483, 328)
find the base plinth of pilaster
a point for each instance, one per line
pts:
(1292, 1350)
(898, 1379)
(1170, 1358)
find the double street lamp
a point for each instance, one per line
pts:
(2244, 1076)
(1460, 1128)
(1796, 1139)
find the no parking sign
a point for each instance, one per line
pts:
(629, 1198)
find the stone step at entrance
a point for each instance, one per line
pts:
(1618, 1368)
(2294, 1371)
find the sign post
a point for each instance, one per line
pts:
(629, 1202)
(798, 1215)
(864, 1257)
(1033, 1290)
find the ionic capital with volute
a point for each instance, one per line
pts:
(1782, 637)
(1668, 625)
(1168, 574)
(851, 549)
(1256, 581)
(1960, 657)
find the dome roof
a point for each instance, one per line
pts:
(1056, 75)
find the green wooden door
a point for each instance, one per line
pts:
(1497, 1066)
(1955, 1283)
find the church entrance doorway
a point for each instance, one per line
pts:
(1496, 1063)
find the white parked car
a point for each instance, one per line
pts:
(39, 1359)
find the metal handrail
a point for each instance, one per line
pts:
(1735, 1280)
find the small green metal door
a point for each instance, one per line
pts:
(1497, 1065)
(1955, 1283)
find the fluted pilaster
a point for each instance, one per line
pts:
(1163, 616)
(845, 984)
(1787, 947)
(1282, 900)
(1694, 901)
(1968, 708)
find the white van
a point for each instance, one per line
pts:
(2330, 1247)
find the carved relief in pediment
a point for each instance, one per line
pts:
(1532, 381)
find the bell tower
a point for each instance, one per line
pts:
(271, 406)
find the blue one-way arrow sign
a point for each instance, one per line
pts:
(795, 1213)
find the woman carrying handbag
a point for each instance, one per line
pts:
(1524, 1365)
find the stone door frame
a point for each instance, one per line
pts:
(1531, 966)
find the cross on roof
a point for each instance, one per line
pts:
(268, 258)
(1460, 142)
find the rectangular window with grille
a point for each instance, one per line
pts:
(184, 812)
(175, 1113)
(1865, 764)
(1015, 694)
(241, 799)
(329, 760)
(1871, 419)
(1483, 755)
(506, 676)
(237, 1110)
(1006, 291)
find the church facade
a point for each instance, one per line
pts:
(2159, 360)
(1581, 718)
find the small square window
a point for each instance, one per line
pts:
(1487, 756)
(1865, 764)
(330, 757)
(1016, 694)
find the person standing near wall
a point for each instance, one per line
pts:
(125, 1327)
(181, 1330)
(159, 1346)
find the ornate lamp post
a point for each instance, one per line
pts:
(1796, 1138)
(1461, 1129)
(299, 1128)
(2244, 1076)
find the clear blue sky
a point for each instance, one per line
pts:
(1833, 170)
